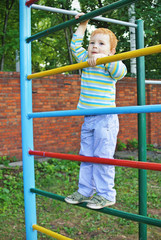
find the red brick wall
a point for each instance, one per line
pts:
(10, 118)
(62, 134)
(58, 92)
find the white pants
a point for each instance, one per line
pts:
(98, 139)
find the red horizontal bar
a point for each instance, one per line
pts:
(116, 162)
(30, 2)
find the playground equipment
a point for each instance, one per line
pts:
(117, 57)
(116, 162)
(30, 2)
(27, 123)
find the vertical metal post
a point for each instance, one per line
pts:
(141, 130)
(27, 124)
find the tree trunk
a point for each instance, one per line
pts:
(67, 42)
(131, 12)
(67, 37)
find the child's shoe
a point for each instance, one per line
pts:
(98, 202)
(76, 198)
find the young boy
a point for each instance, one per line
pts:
(99, 132)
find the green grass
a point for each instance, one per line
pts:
(61, 177)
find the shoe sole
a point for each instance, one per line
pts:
(99, 207)
(75, 202)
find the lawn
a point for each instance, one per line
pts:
(61, 177)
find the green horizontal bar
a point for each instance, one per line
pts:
(110, 211)
(87, 16)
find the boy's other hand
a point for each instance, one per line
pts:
(79, 15)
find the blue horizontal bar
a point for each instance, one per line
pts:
(99, 111)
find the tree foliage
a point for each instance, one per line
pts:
(53, 51)
(9, 32)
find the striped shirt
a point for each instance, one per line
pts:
(98, 88)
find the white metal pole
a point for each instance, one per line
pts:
(70, 12)
(152, 82)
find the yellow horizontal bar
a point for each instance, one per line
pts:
(49, 233)
(117, 57)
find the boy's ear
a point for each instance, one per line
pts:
(113, 50)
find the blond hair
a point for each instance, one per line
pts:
(113, 39)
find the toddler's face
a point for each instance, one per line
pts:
(99, 44)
